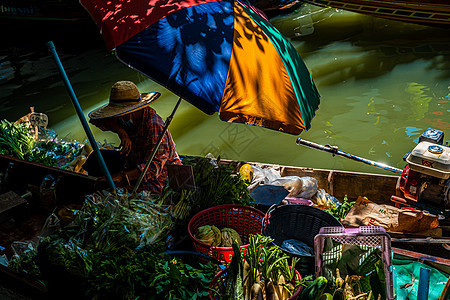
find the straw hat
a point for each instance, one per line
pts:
(124, 99)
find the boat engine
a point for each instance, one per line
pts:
(426, 177)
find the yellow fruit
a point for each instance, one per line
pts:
(246, 172)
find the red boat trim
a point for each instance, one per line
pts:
(421, 256)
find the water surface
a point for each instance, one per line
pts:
(382, 84)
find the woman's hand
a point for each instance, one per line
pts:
(125, 142)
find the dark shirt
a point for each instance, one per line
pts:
(145, 136)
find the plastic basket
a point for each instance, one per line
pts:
(299, 222)
(245, 220)
(217, 285)
(366, 236)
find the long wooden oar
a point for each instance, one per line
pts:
(335, 151)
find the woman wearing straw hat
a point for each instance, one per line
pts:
(138, 126)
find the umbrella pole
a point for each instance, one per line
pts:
(335, 151)
(94, 145)
(155, 147)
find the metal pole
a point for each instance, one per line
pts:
(94, 145)
(424, 284)
(335, 151)
(155, 147)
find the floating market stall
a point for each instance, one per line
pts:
(68, 234)
(109, 236)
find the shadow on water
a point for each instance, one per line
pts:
(38, 82)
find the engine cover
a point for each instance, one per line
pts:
(426, 178)
(430, 159)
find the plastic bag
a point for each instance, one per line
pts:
(52, 224)
(4, 260)
(212, 160)
(309, 187)
(299, 187)
(19, 248)
(323, 199)
(47, 192)
(263, 176)
(297, 247)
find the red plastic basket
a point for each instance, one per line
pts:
(245, 220)
(217, 285)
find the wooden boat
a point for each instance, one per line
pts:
(21, 175)
(377, 187)
(42, 11)
(424, 12)
(69, 187)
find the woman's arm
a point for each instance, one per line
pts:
(111, 124)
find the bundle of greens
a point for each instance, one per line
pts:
(149, 274)
(340, 211)
(262, 270)
(113, 247)
(25, 261)
(62, 152)
(215, 184)
(17, 141)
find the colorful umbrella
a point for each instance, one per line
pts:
(221, 56)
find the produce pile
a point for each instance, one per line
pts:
(114, 245)
(348, 289)
(216, 184)
(114, 248)
(260, 271)
(17, 140)
(339, 211)
(213, 236)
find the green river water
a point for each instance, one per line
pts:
(382, 84)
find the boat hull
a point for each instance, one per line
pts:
(378, 188)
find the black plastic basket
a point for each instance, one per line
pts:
(299, 222)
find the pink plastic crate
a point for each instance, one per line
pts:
(366, 236)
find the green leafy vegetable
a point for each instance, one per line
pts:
(15, 139)
(215, 184)
(340, 211)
